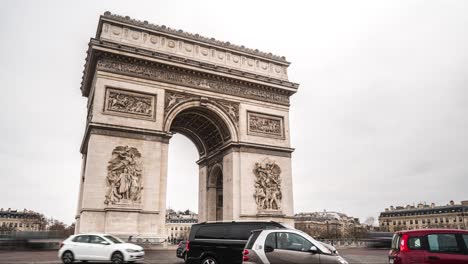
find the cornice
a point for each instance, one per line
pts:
(100, 49)
(122, 131)
(182, 34)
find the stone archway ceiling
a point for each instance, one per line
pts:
(205, 129)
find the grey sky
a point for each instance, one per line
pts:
(380, 117)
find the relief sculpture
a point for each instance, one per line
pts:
(124, 176)
(267, 185)
(130, 103)
(265, 125)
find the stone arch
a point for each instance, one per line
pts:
(215, 190)
(222, 129)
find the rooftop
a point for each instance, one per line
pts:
(196, 37)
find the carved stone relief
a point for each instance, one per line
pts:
(131, 104)
(155, 72)
(265, 125)
(267, 185)
(124, 177)
(230, 108)
(173, 99)
(191, 49)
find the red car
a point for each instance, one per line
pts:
(431, 246)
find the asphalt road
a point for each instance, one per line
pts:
(352, 255)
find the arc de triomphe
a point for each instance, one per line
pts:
(145, 82)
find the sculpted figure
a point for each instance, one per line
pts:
(124, 176)
(267, 185)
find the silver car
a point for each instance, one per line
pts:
(284, 246)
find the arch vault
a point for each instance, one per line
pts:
(145, 82)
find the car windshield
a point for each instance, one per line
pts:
(114, 239)
(316, 243)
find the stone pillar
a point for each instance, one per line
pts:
(144, 215)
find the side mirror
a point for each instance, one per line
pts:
(269, 249)
(313, 250)
(105, 243)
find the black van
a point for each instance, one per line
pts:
(222, 242)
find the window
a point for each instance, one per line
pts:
(114, 239)
(81, 239)
(211, 232)
(443, 243)
(411, 222)
(241, 232)
(465, 237)
(96, 239)
(414, 243)
(287, 241)
(416, 221)
(396, 241)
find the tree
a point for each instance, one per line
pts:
(6, 228)
(70, 230)
(57, 226)
(370, 221)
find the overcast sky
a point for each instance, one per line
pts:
(380, 118)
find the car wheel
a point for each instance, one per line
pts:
(209, 260)
(117, 258)
(67, 257)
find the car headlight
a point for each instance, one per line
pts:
(132, 250)
(342, 260)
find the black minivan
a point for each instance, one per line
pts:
(222, 242)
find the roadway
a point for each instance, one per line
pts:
(352, 255)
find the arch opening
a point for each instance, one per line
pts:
(203, 127)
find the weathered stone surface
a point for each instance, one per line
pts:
(239, 122)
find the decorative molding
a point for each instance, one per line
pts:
(123, 132)
(158, 72)
(130, 104)
(265, 125)
(183, 34)
(173, 99)
(231, 109)
(267, 194)
(124, 178)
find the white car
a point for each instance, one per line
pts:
(287, 246)
(99, 247)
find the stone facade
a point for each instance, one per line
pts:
(20, 220)
(145, 82)
(424, 216)
(178, 225)
(328, 225)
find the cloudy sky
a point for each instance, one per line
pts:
(380, 118)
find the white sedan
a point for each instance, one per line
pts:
(99, 247)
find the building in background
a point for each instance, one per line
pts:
(329, 225)
(424, 216)
(178, 224)
(26, 220)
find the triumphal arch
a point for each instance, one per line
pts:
(144, 83)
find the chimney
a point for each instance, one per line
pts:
(452, 202)
(392, 208)
(386, 209)
(432, 205)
